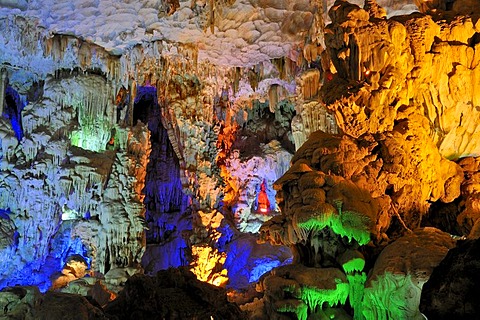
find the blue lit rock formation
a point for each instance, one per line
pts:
(75, 190)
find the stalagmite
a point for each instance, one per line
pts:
(3, 79)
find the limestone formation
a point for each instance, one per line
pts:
(136, 136)
(408, 62)
(172, 293)
(394, 286)
(300, 290)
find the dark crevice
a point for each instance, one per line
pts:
(443, 216)
(164, 196)
(13, 111)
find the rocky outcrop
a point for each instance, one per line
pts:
(27, 303)
(342, 193)
(369, 181)
(58, 305)
(395, 283)
(450, 291)
(373, 58)
(173, 293)
(299, 290)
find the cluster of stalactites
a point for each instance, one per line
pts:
(22, 38)
(3, 78)
(28, 47)
(121, 242)
(151, 62)
(91, 99)
(69, 52)
(311, 116)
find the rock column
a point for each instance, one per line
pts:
(3, 78)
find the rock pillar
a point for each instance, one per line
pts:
(3, 78)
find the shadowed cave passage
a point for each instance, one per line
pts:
(13, 110)
(165, 200)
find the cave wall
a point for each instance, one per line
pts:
(84, 147)
(358, 128)
(355, 205)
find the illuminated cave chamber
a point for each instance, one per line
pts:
(159, 139)
(259, 155)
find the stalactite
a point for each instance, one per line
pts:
(273, 97)
(236, 79)
(211, 20)
(280, 64)
(84, 55)
(317, 30)
(311, 52)
(309, 81)
(253, 79)
(315, 117)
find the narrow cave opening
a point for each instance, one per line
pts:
(262, 126)
(165, 201)
(145, 107)
(14, 105)
(444, 216)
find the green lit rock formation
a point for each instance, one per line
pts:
(302, 290)
(395, 284)
(339, 208)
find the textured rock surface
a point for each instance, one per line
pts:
(19, 302)
(331, 173)
(233, 89)
(248, 260)
(375, 57)
(394, 286)
(450, 291)
(311, 286)
(27, 303)
(56, 305)
(173, 293)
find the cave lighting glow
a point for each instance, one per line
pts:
(13, 110)
(39, 272)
